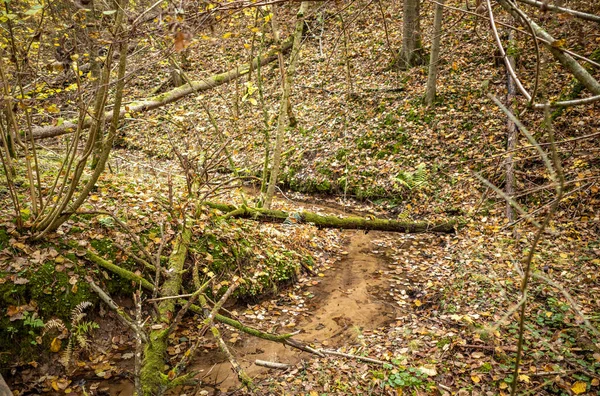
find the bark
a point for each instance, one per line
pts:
(410, 54)
(511, 134)
(167, 97)
(566, 60)
(152, 378)
(434, 58)
(349, 223)
(287, 81)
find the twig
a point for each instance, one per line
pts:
(556, 172)
(273, 365)
(509, 67)
(243, 377)
(157, 260)
(124, 317)
(186, 307)
(356, 357)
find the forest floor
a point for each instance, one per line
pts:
(438, 310)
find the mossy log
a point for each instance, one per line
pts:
(352, 223)
(168, 97)
(153, 380)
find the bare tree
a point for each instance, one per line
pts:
(411, 52)
(435, 53)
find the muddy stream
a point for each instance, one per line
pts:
(349, 300)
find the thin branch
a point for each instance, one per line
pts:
(125, 318)
(554, 8)
(509, 67)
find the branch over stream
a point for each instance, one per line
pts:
(348, 223)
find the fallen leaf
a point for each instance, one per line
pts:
(55, 345)
(579, 387)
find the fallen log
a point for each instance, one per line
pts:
(348, 223)
(167, 97)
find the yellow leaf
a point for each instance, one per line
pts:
(579, 387)
(53, 109)
(503, 385)
(524, 378)
(418, 303)
(55, 345)
(476, 378)
(595, 382)
(227, 35)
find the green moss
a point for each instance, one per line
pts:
(51, 292)
(341, 154)
(235, 253)
(219, 78)
(324, 186)
(105, 248)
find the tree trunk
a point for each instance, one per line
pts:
(66, 205)
(410, 54)
(165, 98)
(287, 79)
(511, 133)
(349, 223)
(152, 378)
(435, 53)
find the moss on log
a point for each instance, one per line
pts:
(153, 380)
(115, 269)
(353, 223)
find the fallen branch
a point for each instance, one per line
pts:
(167, 97)
(125, 318)
(552, 7)
(126, 274)
(355, 223)
(272, 365)
(356, 357)
(578, 71)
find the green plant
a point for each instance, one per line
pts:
(413, 180)
(78, 335)
(405, 377)
(32, 322)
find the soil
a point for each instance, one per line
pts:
(347, 302)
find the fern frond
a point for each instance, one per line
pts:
(65, 358)
(420, 175)
(82, 341)
(77, 313)
(54, 324)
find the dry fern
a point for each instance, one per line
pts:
(77, 313)
(54, 324)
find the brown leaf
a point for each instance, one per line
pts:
(180, 43)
